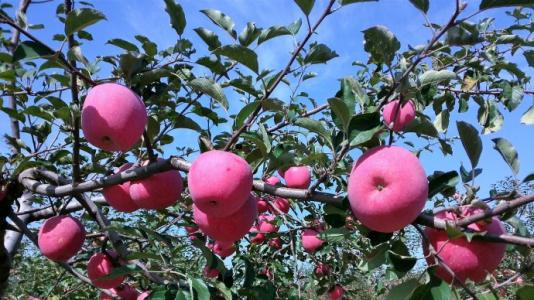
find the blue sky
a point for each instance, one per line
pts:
(342, 32)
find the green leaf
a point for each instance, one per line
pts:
(221, 20)
(464, 34)
(381, 44)
(211, 88)
(314, 126)
(490, 117)
(513, 95)
(485, 4)
(294, 27)
(341, 111)
(201, 288)
(213, 63)
(433, 77)
(422, 126)
(209, 37)
(529, 177)
(305, 5)
(181, 121)
(529, 56)
(31, 50)
(525, 292)
(241, 54)
(249, 34)
(81, 18)
(471, 141)
(334, 235)
(528, 116)
(319, 54)
(271, 32)
(123, 270)
(244, 113)
(442, 181)
(404, 290)
(363, 127)
(508, 153)
(401, 263)
(421, 5)
(351, 89)
(347, 2)
(123, 44)
(177, 15)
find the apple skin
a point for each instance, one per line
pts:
(310, 240)
(468, 260)
(265, 224)
(298, 177)
(223, 249)
(100, 265)
(263, 206)
(231, 228)
(210, 273)
(118, 196)
(113, 117)
(336, 292)
(405, 116)
(125, 292)
(273, 180)
(143, 295)
(387, 188)
(275, 243)
(60, 238)
(322, 270)
(158, 191)
(220, 182)
(282, 204)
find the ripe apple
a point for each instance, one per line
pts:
(387, 188)
(298, 177)
(468, 260)
(223, 249)
(219, 182)
(310, 240)
(60, 238)
(406, 114)
(322, 270)
(158, 191)
(113, 117)
(336, 292)
(118, 196)
(263, 206)
(281, 204)
(259, 238)
(273, 180)
(100, 265)
(210, 273)
(143, 295)
(124, 292)
(230, 228)
(266, 224)
(275, 243)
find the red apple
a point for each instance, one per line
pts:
(113, 117)
(259, 238)
(124, 292)
(310, 240)
(158, 191)
(143, 295)
(100, 265)
(230, 228)
(281, 204)
(219, 182)
(210, 273)
(223, 249)
(275, 243)
(60, 238)
(404, 116)
(298, 177)
(322, 270)
(263, 206)
(266, 224)
(336, 292)
(468, 260)
(273, 180)
(387, 188)
(118, 196)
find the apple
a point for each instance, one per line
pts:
(468, 260)
(310, 240)
(230, 228)
(387, 188)
(336, 292)
(60, 238)
(406, 114)
(158, 191)
(281, 204)
(322, 270)
(100, 265)
(125, 292)
(297, 177)
(223, 249)
(191, 229)
(266, 224)
(275, 243)
(113, 117)
(263, 206)
(143, 295)
(267, 273)
(118, 196)
(220, 183)
(273, 180)
(259, 238)
(210, 273)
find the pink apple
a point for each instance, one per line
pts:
(468, 260)
(298, 177)
(124, 292)
(387, 188)
(100, 265)
(61, 237)
(113, 117)
(223, 249)
(158, 191)
(210, 272)
(230, 228)
(259, 238)
(219, 182)
(275, 243)
(273, 180)
(336, 292)
(281, 204)
(263, 206)
(322, 270)
(143, 295)
(406, 114)
(266, 224)
(118, 196)
(311, 240)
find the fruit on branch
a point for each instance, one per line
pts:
(61, 237)
(397, 118)
(263, 206)
(220, 183)
(223, 249)
(158, 191)
(322, 270)
(230, 228)
(273, 180)
(336, 292)
(118, 196)
(297, 177)
(113, 117)
(259, 238)
(310, 240)
(266, 224)
(124, 292)
(143, 295)
(468, 260)
(275, 243)
(100, 265)
(210, 272)
(281, 205)
(387, 188)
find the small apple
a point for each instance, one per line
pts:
(210, 272)
(113, 117)
(118, 196)
(310, 240)
(281, 204)
(322, 270)
(266, 224)
(100, 265)
(298, 177)
(60, 238)
(336, 292)
(143, 295)
(223, 249)
(275, 243)
(124, 292)
(273, 180)
(263, 206)
(395, 118)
